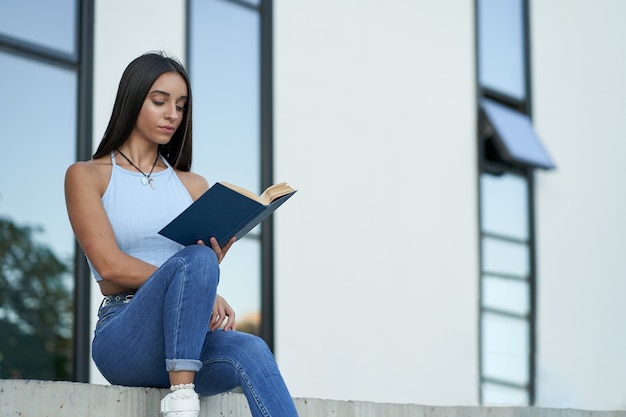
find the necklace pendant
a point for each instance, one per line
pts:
(145, 180)
(151, 182)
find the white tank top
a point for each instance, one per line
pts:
(137, 212)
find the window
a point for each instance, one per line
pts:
(501, 50)
(506, 288)
(53, 27)
(45, 79)
(509, 150)
(513, 136)
(229, 43)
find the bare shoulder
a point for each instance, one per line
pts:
(194, 183)
(92, 173)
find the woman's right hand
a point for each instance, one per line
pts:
(223, 315)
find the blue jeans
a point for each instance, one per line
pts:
(164, 327)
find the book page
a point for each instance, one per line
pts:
(275, 191)
(270, 194)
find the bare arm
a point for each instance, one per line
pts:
(84, 184)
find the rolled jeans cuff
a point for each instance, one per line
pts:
(173, 365)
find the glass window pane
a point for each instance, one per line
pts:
(224, 68)
(40, 137)
(505, 348)
(504, 205)
(494, 394)
(225, 80)
(240, 283)
(517, 138)
(504, 257)
(501, 46)
(506, 294)
(50, 24)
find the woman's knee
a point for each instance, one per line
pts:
(200, 259)
(253, 348)
(194, 265)
(199, 253)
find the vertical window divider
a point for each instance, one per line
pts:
(82, 275)
(267, 170)
(532, 364)
(532, 283)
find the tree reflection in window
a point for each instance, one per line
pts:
(35, 307)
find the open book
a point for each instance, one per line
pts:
(223, 211)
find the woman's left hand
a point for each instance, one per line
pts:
(220, 252)
(223, 314)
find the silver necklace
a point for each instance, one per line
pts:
(147, 178)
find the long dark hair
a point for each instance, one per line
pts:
(134, 86)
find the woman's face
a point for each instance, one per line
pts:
(162, 110)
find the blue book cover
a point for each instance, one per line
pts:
(224, 211)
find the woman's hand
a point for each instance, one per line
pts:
(223, 314)
(220, 252)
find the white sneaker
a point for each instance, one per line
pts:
(181, 403)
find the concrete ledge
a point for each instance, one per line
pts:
(24, 398)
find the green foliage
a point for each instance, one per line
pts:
(35, 307)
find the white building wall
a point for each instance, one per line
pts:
(579, 90)
(123, 31)
(377, 255)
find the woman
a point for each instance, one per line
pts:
(161, 323)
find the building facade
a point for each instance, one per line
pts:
(419, 262)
